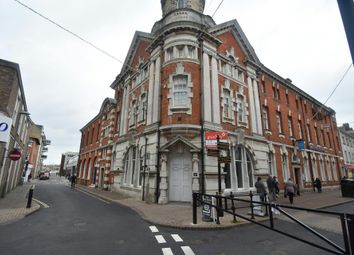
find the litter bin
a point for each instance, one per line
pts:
(347, 187)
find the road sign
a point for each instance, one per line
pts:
(5, 127)
(211, 139)
(15, 155)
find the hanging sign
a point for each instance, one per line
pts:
(5, 128)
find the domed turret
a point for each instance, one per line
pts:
(182, 13)
(171, 5)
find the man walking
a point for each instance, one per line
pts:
(271, 188)
(73, 181)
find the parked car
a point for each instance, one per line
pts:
(44, 176)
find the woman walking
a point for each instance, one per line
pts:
(290, 190)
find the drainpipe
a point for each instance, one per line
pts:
(143, 195)
(157, 191)
(202, 139)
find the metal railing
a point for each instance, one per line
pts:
(232, 205)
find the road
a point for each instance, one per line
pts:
(78, 223)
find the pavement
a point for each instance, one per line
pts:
(13, 205)
(177, 215)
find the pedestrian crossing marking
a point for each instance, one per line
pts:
(160, 239)
(187, 250)
(167, 251)
(177, 238)
(153, 229)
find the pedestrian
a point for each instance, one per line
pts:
(318, 185)
(29, 177)
(276, 186)
(261, 189)
(73, 181)
(271, 188)
(290, 190)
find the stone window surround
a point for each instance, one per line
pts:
(188, 107)
(241, 100)
(232, 103)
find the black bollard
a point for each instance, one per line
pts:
(30, 195)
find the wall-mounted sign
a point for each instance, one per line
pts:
(5, 128)
(15, 155)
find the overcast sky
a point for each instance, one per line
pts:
(66, 81)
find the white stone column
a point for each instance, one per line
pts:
(156, 100)
(150, 94)
(215, 91)
(123, 117)
(258, 107)
(252, 105)
(164, 179)
(206, 89)
(195, 172)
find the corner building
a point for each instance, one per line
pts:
(187, 77)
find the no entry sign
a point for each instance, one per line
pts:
(15, 155)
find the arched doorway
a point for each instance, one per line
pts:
(180, 173)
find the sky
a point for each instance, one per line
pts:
(66, 80)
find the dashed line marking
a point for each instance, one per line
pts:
(167, 251)
(153, 229)
(187, 250)
(177, 238)
(160, 239)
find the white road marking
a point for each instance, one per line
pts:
(167, 251)
(187, 250)
(160, 239)
(153, 229)
(41, 203)
(177, 238)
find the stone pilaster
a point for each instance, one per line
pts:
(195, 171)
(163, 179)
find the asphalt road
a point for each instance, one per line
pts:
(77, 223)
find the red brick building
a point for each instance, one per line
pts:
(190, 76)
(96, 147)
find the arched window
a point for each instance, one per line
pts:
(83, 169)
(284, 159)
(130, 165)
(243, 168)
(89, 170)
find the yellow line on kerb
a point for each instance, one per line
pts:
(41, 203)
(91, 195)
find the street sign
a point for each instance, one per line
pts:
(5, 128)
(211, 139)
(15, 155)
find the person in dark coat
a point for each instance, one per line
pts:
(73, 181)
(290, 189)
(261, 189)
(318, 185)
(271, 188)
